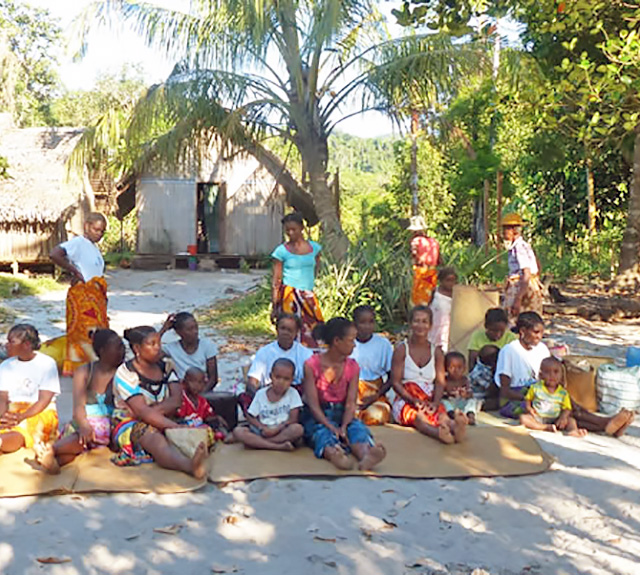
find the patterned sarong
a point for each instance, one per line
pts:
(40, 428)
(301, 303)
(86, 312)
(379, 412)
(405, 413)
(532, 298)
(425, 280)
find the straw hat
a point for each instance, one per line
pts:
(512, 220)
(417, 224)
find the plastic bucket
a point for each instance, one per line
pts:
(192, 249)
(193, 264)
(633, 356)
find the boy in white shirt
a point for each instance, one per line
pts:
(519, 364)
(274, 412)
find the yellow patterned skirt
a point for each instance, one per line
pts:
(379, 412)
(39, 428)
(303, 304)
(425, 280)
(86, 312)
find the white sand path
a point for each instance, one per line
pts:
(581, 517)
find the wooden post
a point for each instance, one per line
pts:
(336, 192)
(591, 199)
(499, 177)
(485, 217)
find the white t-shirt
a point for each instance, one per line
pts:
(86, 256)
(520, 364)
(274, 413)
(441, 311)
(266, 356)
(183, 361)
(373, 357)
(25, 379)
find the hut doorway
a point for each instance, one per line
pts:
(210, 210)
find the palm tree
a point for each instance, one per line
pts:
(253, 69)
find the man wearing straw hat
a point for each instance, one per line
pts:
(425, 252)
(523, 290)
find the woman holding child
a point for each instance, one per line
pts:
(519, 368)
(418, 378)
(146, 396)
(330, 392)
(294, 271)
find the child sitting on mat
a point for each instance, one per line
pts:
(458, 396)
(273, 413)
(482, 375)
(195, 410)
(548, 405)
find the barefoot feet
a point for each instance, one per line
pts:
(339, 458)
(198, 467)
(46, 457)
(460, 427)
(374, 455)
(618, 423)
(630, 417)
(444, 433)
(577, 433)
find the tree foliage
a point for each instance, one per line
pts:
(29, 41)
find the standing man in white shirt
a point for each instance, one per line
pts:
(87, 296)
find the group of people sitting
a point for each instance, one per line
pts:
(328, 398)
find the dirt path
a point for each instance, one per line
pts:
(581, 517)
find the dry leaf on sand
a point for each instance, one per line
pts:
(224, 569)
(53, 560)
(169, 529)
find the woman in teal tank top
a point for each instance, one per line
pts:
(294, 271)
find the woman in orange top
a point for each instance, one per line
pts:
(425, 252)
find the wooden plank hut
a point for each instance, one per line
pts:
(226, 203)
(39, 204)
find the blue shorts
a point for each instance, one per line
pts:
(318, 436)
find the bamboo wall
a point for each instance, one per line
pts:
(29, 243)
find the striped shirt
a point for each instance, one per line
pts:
(548, 405)
(128, 383)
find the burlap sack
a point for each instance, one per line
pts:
(580, 379)
(186, 439)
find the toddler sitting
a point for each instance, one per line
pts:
(548, 405)
(195, 410)
(458, 395)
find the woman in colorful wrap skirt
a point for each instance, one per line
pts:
(92, 405)
(87, 296)
(146, 397)
(294, 270)
(28, 386)
(418, 378)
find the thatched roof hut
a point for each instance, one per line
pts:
(40, 202)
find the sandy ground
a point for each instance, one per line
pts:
(581, 517)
